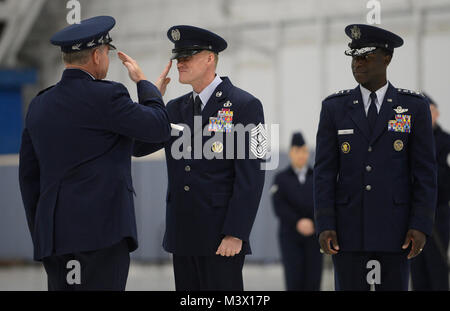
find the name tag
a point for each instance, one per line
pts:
(176, 127)
(345, 132)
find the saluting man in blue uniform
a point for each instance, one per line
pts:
(75, 162)
(292, 197)
(375, 171)
(429, 271)
(212, 199)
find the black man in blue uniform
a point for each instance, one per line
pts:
(292, 197)
(375, 176)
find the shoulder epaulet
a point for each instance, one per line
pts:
(409, 92)
(181, 99)
(105, 81)
(44, 90)
(339, 93)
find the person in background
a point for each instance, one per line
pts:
(292, 197)
(429, 271)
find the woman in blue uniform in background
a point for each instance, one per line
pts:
(292, 197)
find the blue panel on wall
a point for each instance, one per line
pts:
(15, 78)
(11, 122)
(150, 183)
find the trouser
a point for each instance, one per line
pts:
(195, 273)
(302, 262)
(352, 271)
(104, 269)
(429, 270)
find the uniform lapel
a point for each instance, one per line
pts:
(357, 112)
(214, 103)
(386, 113)
(295, 176)
(188, 112)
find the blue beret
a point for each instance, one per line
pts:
(297, 139)
(367, 38)
(90, 33)
(190, 40)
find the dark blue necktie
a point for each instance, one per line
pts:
(197, 106)
(372, 114)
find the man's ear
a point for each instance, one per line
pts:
(387, 59)
(211, 58)
(96, 56)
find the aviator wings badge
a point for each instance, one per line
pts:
(399, 109)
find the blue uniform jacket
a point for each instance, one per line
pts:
(75, 162)
(442, 140)
(292, 200)
(210, 198)
(372, 189)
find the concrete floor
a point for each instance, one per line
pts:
(156, 277)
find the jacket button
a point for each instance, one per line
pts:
(189, 148)
(368, 168)
(187, 168)
(186, 188)
(370, 149)
(368, 187)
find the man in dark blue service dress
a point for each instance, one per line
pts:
(214, 186)
(429, 271)
(375, 178)
(75, 162)
(292, 197)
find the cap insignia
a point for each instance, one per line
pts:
(175, 34)
(356, 32)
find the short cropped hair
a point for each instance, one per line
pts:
(387, 52)
(79, 57)
(216, 58)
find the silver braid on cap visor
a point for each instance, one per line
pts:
(359, 52)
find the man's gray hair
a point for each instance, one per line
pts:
(79, 57)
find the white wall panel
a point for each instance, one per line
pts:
(274, 48)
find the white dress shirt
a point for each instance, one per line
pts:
(301, 173)
(366, 97)
(207, 91)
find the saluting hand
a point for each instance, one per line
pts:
(229, 246)
(134, 71)
(325, 237)
(417, 239)
(163, 80)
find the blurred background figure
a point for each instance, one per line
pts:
(292, 197)
(429, 271)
